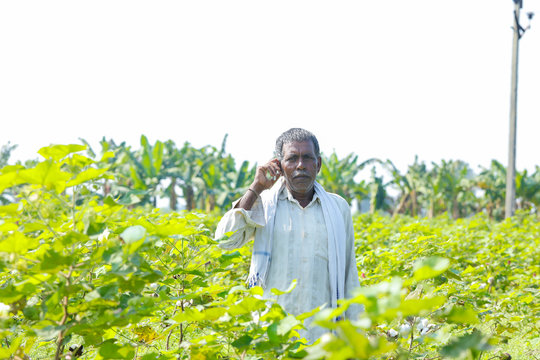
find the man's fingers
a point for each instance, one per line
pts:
(274, 170)
(274, 165)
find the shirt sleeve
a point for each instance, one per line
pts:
(238, 226)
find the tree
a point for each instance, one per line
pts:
(449, 188)
(339, 176)
(409, 186)
(492, 182)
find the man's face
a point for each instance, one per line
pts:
(300, 166)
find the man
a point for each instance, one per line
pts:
(301, 231)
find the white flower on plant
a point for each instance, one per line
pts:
(326, 338)
(392, 333)
(405, 329)
(154, 286)
(423, 323)
(424, 326)
(255, 315)
(104, 235)
(4, 310)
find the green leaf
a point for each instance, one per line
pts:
(286, 324)
(212, 314)
(139, 183)
(53, 261)
(13, 347)
(242, 342)
(7, 227)
(87, 175)
(78, 161)
(33, 226)
(32, 313)
(18, 243)
(9, 179)
(147, 161)
(110, 350)
(158, 156)
(11, 209)
(430, 267)
(189, 314)
(57, 152)
(279, 292)
(110, 201)
(47, 174)
(247, 305)
(461, 346)
(256, 290)
(462, 315)
(155, 356)
(420, 306)
(106, 156)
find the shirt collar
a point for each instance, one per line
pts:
(286, 194)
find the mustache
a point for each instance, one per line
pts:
(300, 173)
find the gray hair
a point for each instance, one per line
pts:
(298, 135)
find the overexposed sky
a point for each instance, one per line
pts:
(387, 79)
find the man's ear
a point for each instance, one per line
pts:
(319, 160)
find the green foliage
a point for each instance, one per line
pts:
(122, 282)
(487, 271)
(209, 179)
(86, 274)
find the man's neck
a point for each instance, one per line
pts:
(303, 198)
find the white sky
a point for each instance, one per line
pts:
(387, 79)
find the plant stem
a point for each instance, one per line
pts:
(40, 216)
(412, 335)
(73, 205)
(168, 339)
(181, 334)
(65, 316)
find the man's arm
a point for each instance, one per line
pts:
(247, 213)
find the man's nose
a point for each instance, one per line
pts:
(300, 164)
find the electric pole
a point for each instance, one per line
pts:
(510, 201)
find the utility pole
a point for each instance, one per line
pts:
(510, 201)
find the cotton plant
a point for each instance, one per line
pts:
(4, 310)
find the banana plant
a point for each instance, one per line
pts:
(340, 176)
(528, 189)
(492, 183)
(409, 185)
(236, 183)
(379, 199)
(449, 188)
(146, 170)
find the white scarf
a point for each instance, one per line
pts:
(262, 247)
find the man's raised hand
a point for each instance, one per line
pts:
(266, 176)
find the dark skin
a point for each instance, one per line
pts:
(300, 166)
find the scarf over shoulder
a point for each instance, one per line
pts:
(262, 247)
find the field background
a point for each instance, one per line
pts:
(92, 266)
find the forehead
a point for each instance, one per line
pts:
(299, 148)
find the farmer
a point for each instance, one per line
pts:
(301, 231)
